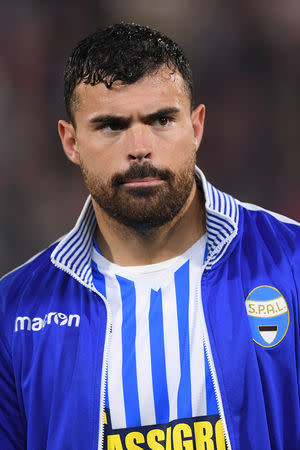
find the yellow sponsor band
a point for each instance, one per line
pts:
(181, 437)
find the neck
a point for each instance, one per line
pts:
(126, 247)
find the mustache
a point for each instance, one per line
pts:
(141, 171)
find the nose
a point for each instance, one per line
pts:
(139, 143)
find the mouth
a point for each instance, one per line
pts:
(143, 182)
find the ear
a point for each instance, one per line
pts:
(198, 116)
(67, 136)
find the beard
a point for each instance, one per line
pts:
(142, 208)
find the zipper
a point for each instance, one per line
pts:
(104, 375)
(211, 365)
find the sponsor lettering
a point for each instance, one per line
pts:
(181, 434)
(38, 323)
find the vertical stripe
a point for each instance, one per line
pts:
(143, 353)
(182, 287)
(171, 341)
(226, 204)
(98, 279)
(86, 273)
(219, 202)
(208, 199)
(95, 244)
(159, 375)
(230, 206)
(236, 212)
(198, 386)
(130, 386)
(89, 277)
(205, 252)
(115, 361)
(211, 401)
(213, 198)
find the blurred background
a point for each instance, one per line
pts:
(246, 65)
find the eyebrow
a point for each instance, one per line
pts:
(125, 121)
(171, 111)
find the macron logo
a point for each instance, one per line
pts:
(37, 323)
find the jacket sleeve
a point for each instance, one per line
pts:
(12, 426)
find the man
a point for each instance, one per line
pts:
(168, 318)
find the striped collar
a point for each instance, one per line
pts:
(73, 253)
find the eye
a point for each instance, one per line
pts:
(162, 121)
(111, 127)
(115, 126)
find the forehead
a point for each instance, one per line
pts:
(160, 89)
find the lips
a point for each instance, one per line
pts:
(143, 182)
(144, 175)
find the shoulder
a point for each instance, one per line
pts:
(32, 270)
(272, 218)
(26, 288)
(274, 229)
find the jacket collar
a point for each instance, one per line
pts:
(222, 219)
(73, 252)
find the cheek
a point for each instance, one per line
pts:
(183, 150)
(95, 156)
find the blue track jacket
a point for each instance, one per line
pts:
(54, 335)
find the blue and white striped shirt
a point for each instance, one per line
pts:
(157, 371)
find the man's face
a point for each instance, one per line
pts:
(136, 146)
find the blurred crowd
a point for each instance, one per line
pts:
(246, 65)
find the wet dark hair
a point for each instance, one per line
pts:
(124, 52)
